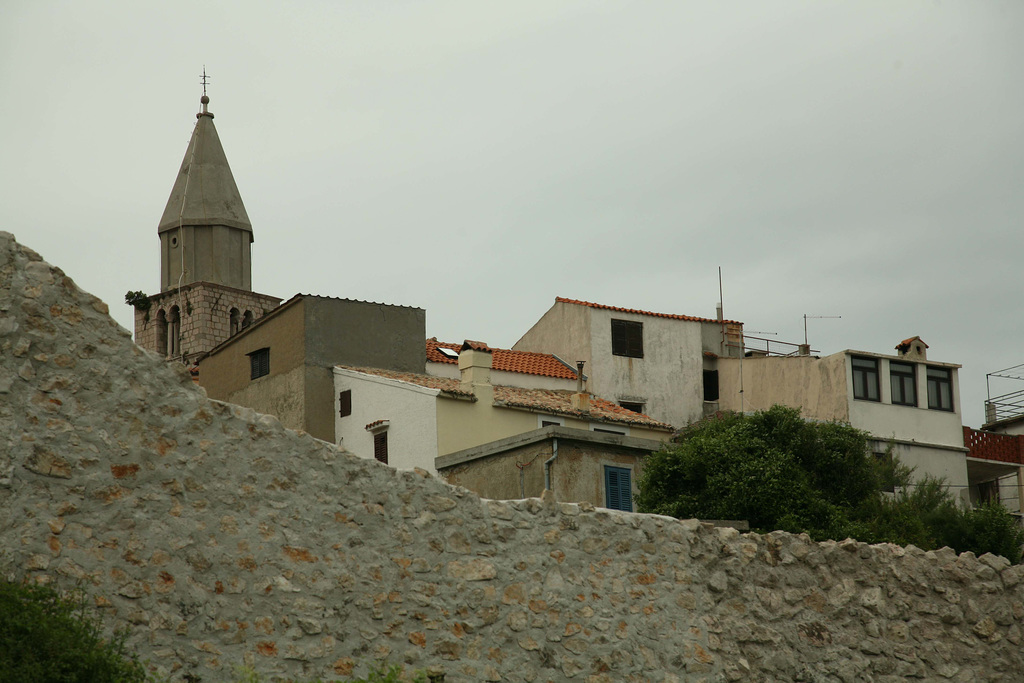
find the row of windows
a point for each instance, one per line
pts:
(902, 383)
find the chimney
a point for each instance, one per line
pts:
(475, 370)
(581, 399)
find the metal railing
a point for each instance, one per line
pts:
(1004, 407)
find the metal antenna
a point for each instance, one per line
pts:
(205, 79)
(815, 316)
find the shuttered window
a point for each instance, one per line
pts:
(380, 447)
(627, 338)
(259, 363)
(618, 491)
(345, 403)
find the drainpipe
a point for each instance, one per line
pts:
(547, 465)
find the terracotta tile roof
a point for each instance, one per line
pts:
(475, 345)
(445, 384)
(526, 362)
(559, 402)
(673, 316)
(556, 402)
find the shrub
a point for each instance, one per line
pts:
(49, 638)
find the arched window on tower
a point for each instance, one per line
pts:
(247, 319)
(235, 322)
(161, 333)
(174, 333)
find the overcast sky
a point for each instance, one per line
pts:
(478, 159)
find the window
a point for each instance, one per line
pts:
(234, 323)
(380, 446)
(635, 407)
(174, 333)
(550, 421)
(940, 389)
(345, 403)
(904, 383)
(865, 378)
(161, 333)
(711, 385)
(627, 338)
(618, 491)
(259, 363)
(247, 319)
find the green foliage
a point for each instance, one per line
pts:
(48, 638)
(138, 299)
(778, 471)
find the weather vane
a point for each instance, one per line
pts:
(205, 79)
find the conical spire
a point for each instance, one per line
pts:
(206, 184)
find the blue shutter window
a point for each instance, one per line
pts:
(618, 491)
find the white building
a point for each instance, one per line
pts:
(659, 364)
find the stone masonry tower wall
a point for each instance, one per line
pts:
(221, 538)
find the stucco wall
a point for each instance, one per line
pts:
(514, 468)
(410, 409)
(563, 330)
(226, 372)
(220, 538)
(668, 379)
(818, 386)
(364, 334)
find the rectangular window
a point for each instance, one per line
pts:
(940, 389)
(345, 403)
(711, 385)
(259, 363)
(903, 379)
(627, 338)
(635, 407)
(380, 446)
(618, 492)
(865, 378)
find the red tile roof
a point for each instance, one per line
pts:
(526, 362)
(559, 402)
(907, 342)
(555, 402)
(563, 300)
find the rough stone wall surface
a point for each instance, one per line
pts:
(222, 538)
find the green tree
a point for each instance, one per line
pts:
(49, 638)
(779, 471)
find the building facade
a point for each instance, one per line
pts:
(659, 364)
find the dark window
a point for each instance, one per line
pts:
(609, 431)
(259, 363)
(988, 491)
(618, 492)
(711, 385)
(865, 378)
(627, 338)
(345, 403)
(549, 423)
(904, 383)
(940, 389)
(635, 407)
(380, 446)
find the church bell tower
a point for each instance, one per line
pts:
(205, 257)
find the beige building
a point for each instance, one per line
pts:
(281, 364)
(902, 400)
(411, 420)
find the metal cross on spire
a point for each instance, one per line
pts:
(205, 79)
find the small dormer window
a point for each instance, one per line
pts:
(448, 353)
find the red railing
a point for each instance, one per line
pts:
(993, 446)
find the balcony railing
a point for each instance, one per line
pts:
(1004, 407)
(993, 446)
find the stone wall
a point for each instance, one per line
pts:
(222, 538)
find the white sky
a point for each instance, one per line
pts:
(478, 159)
